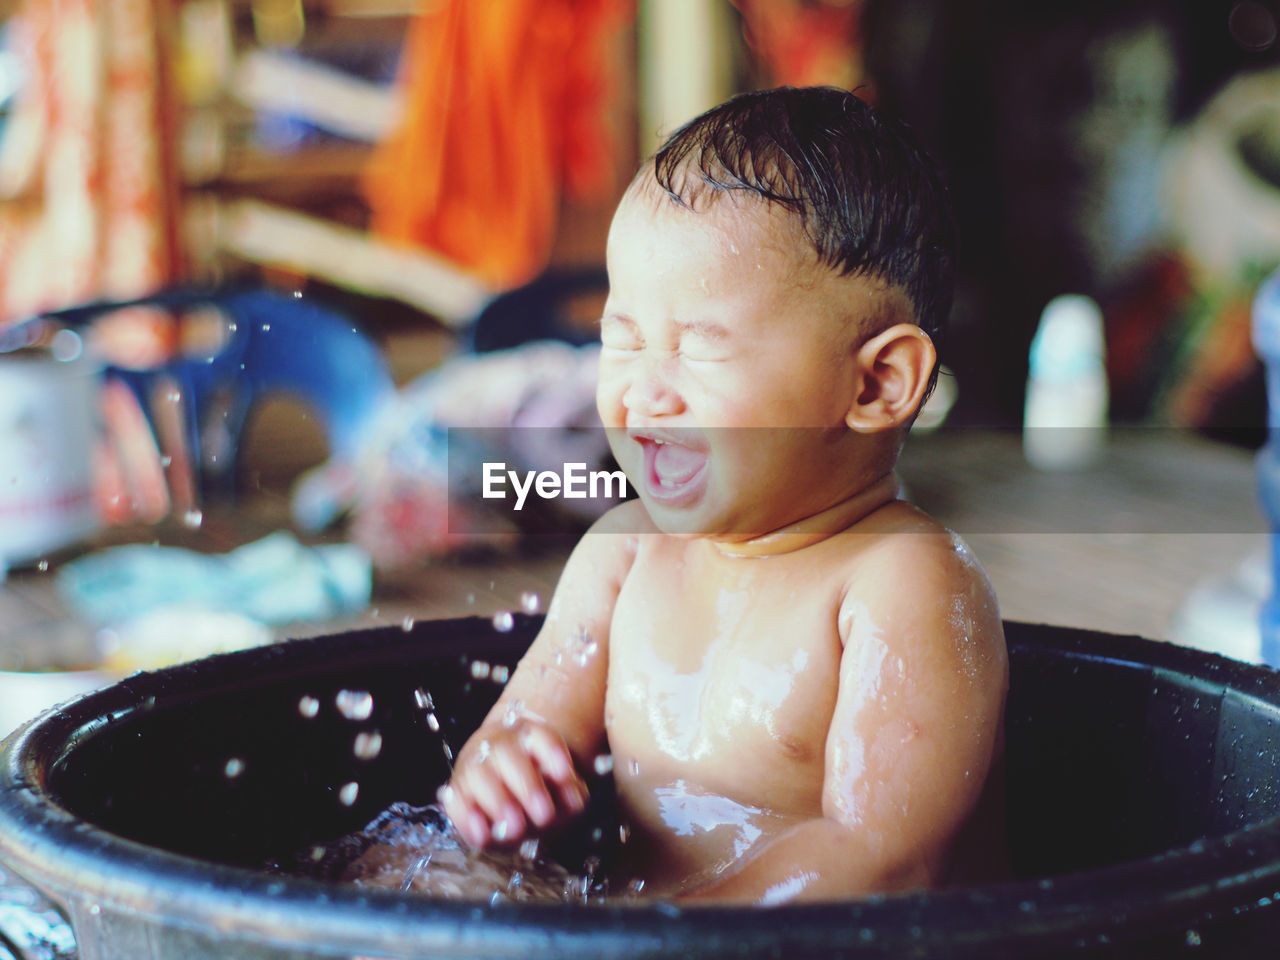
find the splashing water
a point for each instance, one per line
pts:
(416, 850)
(355, 704)
(368, 744)
(504, 621)
(512, 715)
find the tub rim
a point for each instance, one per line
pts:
(82, 865)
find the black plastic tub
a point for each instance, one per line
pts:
(1142, 813)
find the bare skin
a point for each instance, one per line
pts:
(800, 677)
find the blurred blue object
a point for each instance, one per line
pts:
(1266, 340)
(274, 344)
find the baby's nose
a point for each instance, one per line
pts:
(651, 392)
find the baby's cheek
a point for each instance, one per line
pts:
(609, 389)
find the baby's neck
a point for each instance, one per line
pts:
(810, 530)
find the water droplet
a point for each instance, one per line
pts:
(348, 793)
(368, 744)
(583, 647)
(232, 327)
(603, 764)
(624, 832)
(266, 328)
(193, 518)
(512, 715)
(234, 767)
(530, 602)
(635, 888)
(500, 674)
(308, 706)
(407, 624)
(297, 294)
(317, 853)
(355, 704)
(635, 768)
(479, 669)
(471, 599)
(448, 752)
(423, 699)
(504, 621)
(95, 909)
(1193, 939)
(433, 722)
(483, 749)
(43, 566)
(173, 396)
(529, 850)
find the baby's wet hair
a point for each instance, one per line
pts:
(870, 199)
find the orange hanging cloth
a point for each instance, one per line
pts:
(504, 110)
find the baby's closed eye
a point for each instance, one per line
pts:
(619, 333)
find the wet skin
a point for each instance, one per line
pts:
(800, 677)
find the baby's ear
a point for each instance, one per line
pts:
(893, 371)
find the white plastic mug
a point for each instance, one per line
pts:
(49, 426)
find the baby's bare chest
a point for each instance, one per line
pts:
(727, 679)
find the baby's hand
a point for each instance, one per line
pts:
(511, 780)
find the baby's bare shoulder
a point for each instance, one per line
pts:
(921, 584)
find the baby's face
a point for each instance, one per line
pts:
(727, 364)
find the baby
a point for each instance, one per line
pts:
(800, 677)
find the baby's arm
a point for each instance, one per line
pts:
(917, 725)
(518, 772)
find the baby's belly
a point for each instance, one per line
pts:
(683, 836)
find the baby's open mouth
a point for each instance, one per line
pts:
(674, 468)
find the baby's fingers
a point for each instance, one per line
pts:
(464, 814)
(526, 783)
(503, 819)
(549, 753)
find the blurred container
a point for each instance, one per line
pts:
(48, 429)
(1065, 422)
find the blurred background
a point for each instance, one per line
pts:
(1127, 150)
(436, 178)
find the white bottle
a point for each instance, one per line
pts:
(1064, 425)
